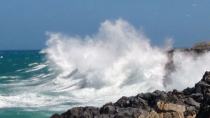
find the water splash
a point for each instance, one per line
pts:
(117, 61)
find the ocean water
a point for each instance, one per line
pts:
(16, 67)
(32, 85)
(70, 71)
(18, 71)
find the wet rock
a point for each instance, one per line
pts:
(56, 116)
(198, 97)
(81, 112)
(108, 109)
(188, 91)
(206, 77)
(204, 111)
(189, 103)
(192, 102)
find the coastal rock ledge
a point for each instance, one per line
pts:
(189, 103)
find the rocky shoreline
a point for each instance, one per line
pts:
(189, 103)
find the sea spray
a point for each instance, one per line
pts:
(189, 66)
(116, 61)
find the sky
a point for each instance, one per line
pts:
(24, 23)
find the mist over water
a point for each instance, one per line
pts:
(118, 60)
(189, 69)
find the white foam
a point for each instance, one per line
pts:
(33, 64)
(189, 69)
(38, 67)
(117, 61)
(9, 77)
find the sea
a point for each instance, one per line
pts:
(20, 71)
(35, 84)
(73, 71)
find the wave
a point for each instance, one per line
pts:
(118, 60)
(37, 67)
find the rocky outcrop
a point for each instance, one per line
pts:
(197, 50)
(189, 103)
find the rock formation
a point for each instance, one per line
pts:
(189, 103)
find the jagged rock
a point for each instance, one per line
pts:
(170, 110)
(163, 106)
(205, 104)
(79, 112)
(108, 109)
(190, 103)
(198, 97)
(170, 114)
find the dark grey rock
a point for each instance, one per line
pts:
(196, 100)
(192, 102)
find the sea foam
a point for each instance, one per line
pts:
(118, 60)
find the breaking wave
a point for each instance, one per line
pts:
(118, 60)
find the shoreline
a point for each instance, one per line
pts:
(189, 103)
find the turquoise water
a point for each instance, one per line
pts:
(17, 72)
(22, 113)
(31, 86)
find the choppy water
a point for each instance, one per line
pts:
(18, 71)
(73, 71)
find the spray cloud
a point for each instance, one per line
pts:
(117, 61)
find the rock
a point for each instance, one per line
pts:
(204, 111)
(163, 106)
(81, 112)
(56, 116)
(108, 109)
(202, 46)
(188, 91)
(171, 115)
(206, 77)
(154, 114)
(189, 103)
(198, 97)
(170, 110)
(192, 102)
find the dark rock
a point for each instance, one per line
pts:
(81, 112)
(188, 91)
(108, 109)
(204, 111)
(198, 97)
(192, 102)
(206, 77)
(56, 116)
(189, 103)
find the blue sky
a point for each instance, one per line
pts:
(24, 23)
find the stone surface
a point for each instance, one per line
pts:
(163, 106)
(189, 103)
